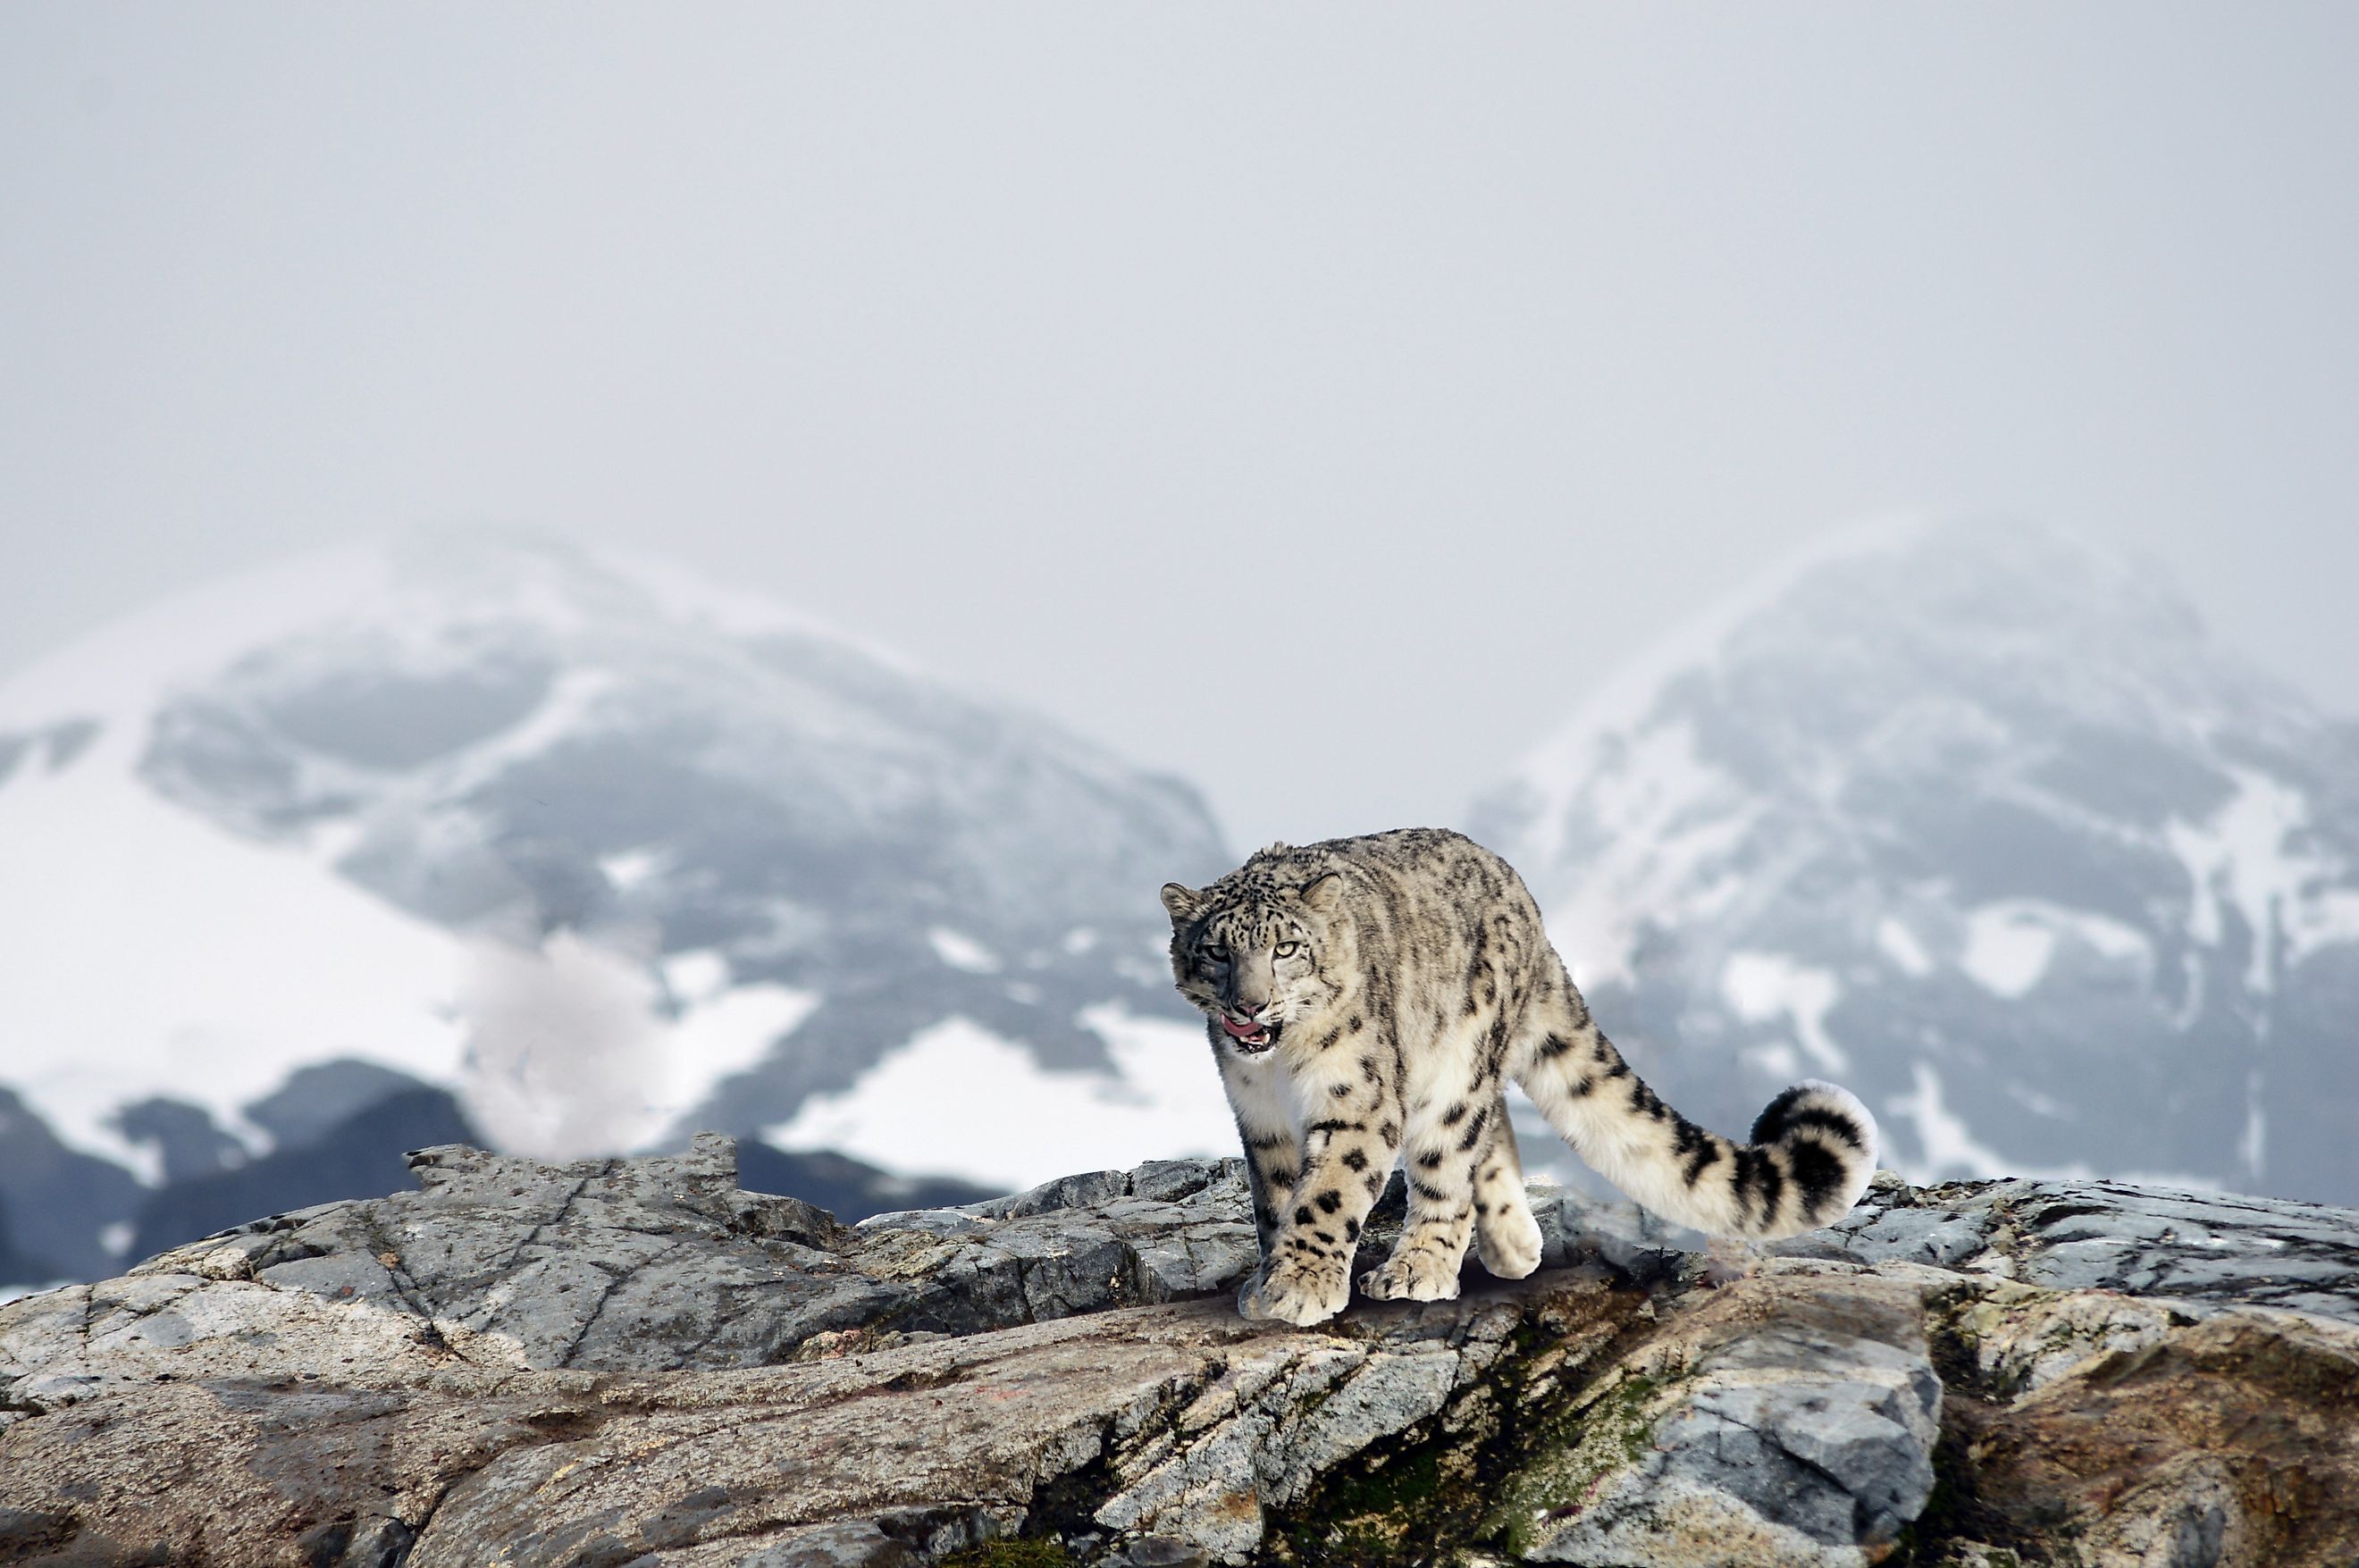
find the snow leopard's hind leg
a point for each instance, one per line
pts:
(1460, 1175)
(1504, 1232)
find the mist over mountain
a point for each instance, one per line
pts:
(1976, 821)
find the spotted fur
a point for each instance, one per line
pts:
(1367, 1000)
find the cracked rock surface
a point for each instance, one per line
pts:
(636, 1362)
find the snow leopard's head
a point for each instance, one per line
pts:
(1251, 951)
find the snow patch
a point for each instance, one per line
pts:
(697, 975)
(1763, 986)
(2249, 856)
(2007, 952)
(1948, 1151)
(1899, 944)
(728, 1032)
(1948, 1148)
(962, 952)
(2253, 1147)
(2011, 943)
(958, 1098)
(149, 952)
(630, 869)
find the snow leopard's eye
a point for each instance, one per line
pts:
(1216, 953)
(1286, 949)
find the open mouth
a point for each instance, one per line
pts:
(1254, 1035)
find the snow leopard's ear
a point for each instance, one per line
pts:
(1320, 895)
(1181, 903)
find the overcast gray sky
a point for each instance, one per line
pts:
(1316, 400)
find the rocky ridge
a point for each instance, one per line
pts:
(637, 1362)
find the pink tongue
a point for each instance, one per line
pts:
(1240, 1032)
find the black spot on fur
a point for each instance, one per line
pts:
(1455, 1115)
(1614, 1066)
(1282, 1176)
(1351, 1230)
(1784, 1115)
(1339, 1091)
(1303, 1215)
(1819, 1173)
(1374, 1182)
(1324, 1236)
(1698, 1147)
(1643, 1101)
(1354, 1160)
(1431, 1194)
(1430, 1160)
(1390, 1134)
(1355, 1023)
(1330, 1201)
(1554, 1045)
(1758, 1174)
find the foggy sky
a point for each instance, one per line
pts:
(1315, 400)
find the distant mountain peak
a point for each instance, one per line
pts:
(1979, 809)
(405, 803)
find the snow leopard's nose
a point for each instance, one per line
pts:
(1249, 1009)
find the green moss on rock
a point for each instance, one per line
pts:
(1012, 1552)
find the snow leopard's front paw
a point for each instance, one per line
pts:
(1301, 1292)
(1509, 1242)
(1413, 1274)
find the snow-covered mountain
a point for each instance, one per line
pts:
(1974, 820)
(608, 852)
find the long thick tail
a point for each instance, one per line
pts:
(1813, 1150)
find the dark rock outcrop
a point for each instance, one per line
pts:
(637, 1362)
(58, 1203)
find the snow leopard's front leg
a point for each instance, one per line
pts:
(1347, 1153)
(1462, 1174)
(1273, 1148)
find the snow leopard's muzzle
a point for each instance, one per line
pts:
(1252, 1036)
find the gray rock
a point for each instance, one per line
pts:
(2215, 1247)
(1792, 1421)
(634, 1362)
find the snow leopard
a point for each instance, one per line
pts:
(1367, 999)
